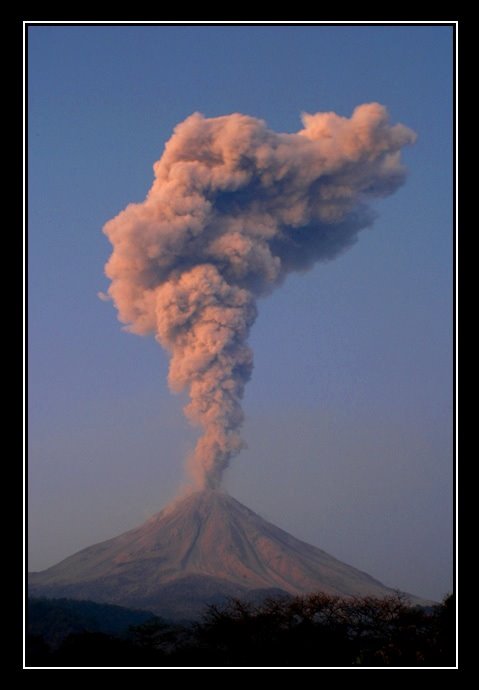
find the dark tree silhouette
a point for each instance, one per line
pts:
(312, 631)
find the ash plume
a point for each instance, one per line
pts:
(233, 209)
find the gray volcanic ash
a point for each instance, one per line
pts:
(233, 210)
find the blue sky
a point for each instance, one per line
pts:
(349, 411)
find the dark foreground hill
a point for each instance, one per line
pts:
(309, 631)
(200, 550)
(56, 619)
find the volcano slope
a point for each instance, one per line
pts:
(199, 550)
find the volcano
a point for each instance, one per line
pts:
(201, 549)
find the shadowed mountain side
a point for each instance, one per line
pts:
(198, 550)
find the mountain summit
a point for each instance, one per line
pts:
(199, 550)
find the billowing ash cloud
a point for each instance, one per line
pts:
(233, 209)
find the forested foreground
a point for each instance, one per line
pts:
(314, 631)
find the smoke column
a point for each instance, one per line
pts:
(235, 207)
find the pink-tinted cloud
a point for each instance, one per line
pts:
(233, 209)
